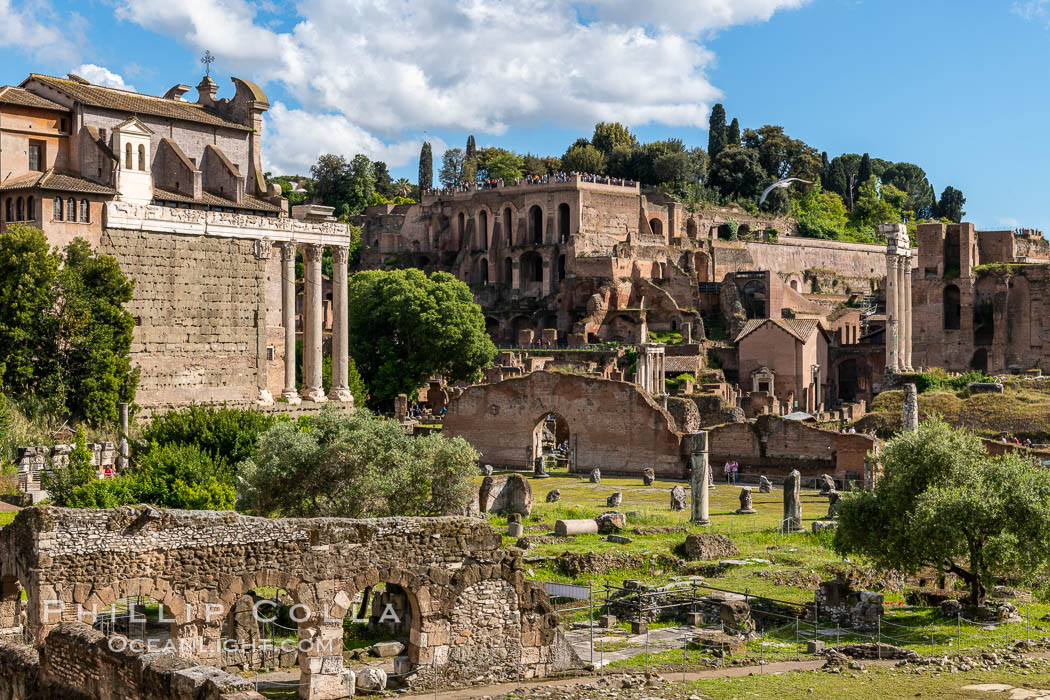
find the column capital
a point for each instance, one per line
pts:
(313, 252)
(288, 251)
(340, 254)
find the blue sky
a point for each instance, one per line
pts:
(957, 86)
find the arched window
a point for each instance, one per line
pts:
(483, 229)
(461, 226)
(508, 226)
(657, 226)
(85, 211)
(9, 213)
(508, 271)
(563, 222)
(536, 224)
(127, 157)
(56, 212)
(20, 210)
(484, 271)
(952, 308)
(71, 210)
(31, 209)
(142, 157)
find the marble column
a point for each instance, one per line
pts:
(340, 328)
(907, 330)
(313, 318)
(288, 319)
(892, 278)
(699, 478)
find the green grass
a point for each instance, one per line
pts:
(6, 518)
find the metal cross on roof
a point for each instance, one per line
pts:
(207, 59)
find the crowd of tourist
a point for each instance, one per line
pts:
(531, 180)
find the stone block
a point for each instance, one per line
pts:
(639, 627)
(694, 619)
(607, 621)
(386, 650)
(814, 646)
(566, 528)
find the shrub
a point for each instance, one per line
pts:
(228, 434)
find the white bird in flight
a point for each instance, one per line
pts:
(782, 184)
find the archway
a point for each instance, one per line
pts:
(461, 219)
(952, 308)
(691, 230)
(536, 224)
(551, 440)
(508, 226)
(980, 360)
(743, 230)
(563, 222)
(754, 294)
(492, 327)
(483, 229)
(794, 285)
(484, 271)
(657, 226)
(531, 270)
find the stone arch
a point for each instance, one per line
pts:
(979, 361)
(483, 229)
(481, 271)
(743, 230)
(952, 308)
(564, 222)
(508, 225)
(493, 328)
(657, 226)
(461, 225)
(531, 269)
(536, 224)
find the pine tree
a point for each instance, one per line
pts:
(733, 136)
(864, 172)
(717, 136)
(426, 168)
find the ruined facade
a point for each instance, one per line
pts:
(472, 614)
(979, 299)
(174, 191)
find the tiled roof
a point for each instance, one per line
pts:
(209, 199)
(136, 103)
(17, 96)
(681, 364)
(801, 328)
(56, 182)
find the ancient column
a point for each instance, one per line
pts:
(891, 313)
(312, 327)
(792, 502)
(910, 418)
(698, 479)
(905, 358)
(642, 373)
(340, 328)
(123, 447)
(288, 319)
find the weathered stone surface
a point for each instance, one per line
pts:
(834, 498)
(793, 502)
(700, 475)
(736, 617)
(746, 503)
(614, 500)
(387, 649)
(648, 477)
(372, 679)
(765, 485)
(678, 498)
(596, 476)
(707, 546)
(553, 496)
(567, 528)
(826, 483)
(910, 409)
(486, 470)
(509, 493)
(611, 521)
(619, 539)
(819, 526)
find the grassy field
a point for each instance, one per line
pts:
(6, 518)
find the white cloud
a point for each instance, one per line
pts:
(387, 67)
(1030, 9)
(99, 75)
(36, 29)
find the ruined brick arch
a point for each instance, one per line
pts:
(564, 222)
(535, 234)
(657, 226)
(508, 226)
(483, 229)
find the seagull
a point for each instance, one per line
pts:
(782, 184)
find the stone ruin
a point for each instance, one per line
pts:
(472, 615)
(910, 417)
(33, 462)
(849, 608)
(792, 503)
(505, 494)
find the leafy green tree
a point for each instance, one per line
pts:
(674, 169)
(864, 171)
(405, 327)
(223, 433)
(733, 133)
(942, 502)
(951, 205)
(737, 173)
(820, 214)
(384, 184)
(360, 185)
(610, 135)
(584, 159)
(782, 156)
(451, 172)
(330, 174)
(426, 167)
(62, 480)
(358, 466)
(873, 207)
(698, 160)
(500, 164)
(717, 132)
(536, 165)
(911, 179)
(843, 180)
(402, 188)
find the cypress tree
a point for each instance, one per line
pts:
(864, 172)
(426, 167)
(716, 135)
(733, 136)
(825, 170)
(472, 149)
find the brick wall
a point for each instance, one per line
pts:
(198, 303)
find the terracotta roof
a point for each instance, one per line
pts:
(681, 363)
(57, 182)
(17, 96)
(801, 328)
(209, 199)
(136, 103)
